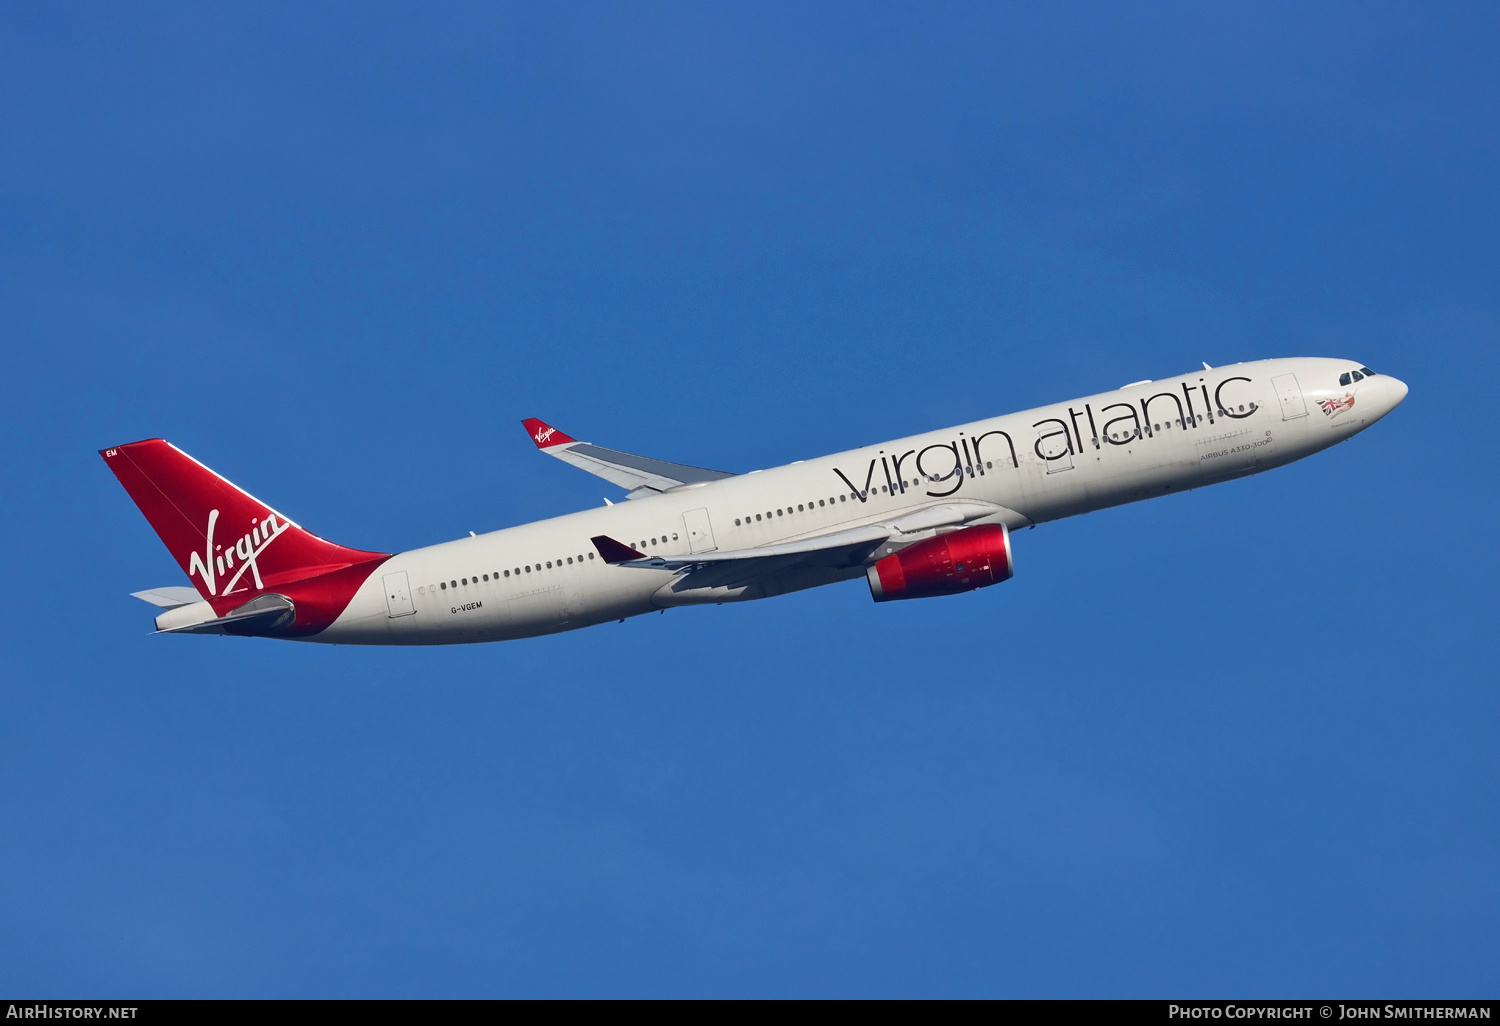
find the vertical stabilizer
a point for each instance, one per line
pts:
(227, 542)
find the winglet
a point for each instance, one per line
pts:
(613, 551)
(545, 435)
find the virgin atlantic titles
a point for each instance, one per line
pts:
(916, 517)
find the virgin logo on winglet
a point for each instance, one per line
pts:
(544, 434)
(216, 561)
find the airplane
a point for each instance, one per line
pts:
(924, 516)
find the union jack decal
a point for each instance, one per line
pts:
(1334, 407)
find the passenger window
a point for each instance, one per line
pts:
(591, 555)
(1358, 376)
(464, 581)
(736, 521)
(988, 465)
(486, 577)
(445, 587)
(799, 507)
(570, 560)
(507, 573)
(778, 512)
(757, 516)
(528, 568)
(843, 498)
(820, 502)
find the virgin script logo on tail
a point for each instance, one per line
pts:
(543, 433)
(216, 562)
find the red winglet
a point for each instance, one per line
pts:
(613, 551)
(545, 435)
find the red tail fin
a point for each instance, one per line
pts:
(227, 542)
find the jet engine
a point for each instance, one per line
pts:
(975, 557)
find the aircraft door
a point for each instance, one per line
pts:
(700, 532)
(398, 594)
(1056, 451)
(1289, 394)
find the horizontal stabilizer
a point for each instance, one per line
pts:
(168, 598)
(260, 616)
(640, 475)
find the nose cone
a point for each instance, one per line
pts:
(1389, 392)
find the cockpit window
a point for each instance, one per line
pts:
(1358, 376)
(1344, 378)
(1367, 372)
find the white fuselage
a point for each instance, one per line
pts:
(1056, 461)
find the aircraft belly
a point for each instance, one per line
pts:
(492, 607)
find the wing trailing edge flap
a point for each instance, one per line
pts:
(836, 549)
(639, 475)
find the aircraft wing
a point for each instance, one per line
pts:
(640, 475)
(848, 547)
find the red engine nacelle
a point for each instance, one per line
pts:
(975, 557)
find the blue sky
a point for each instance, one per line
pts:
(1239, 742)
